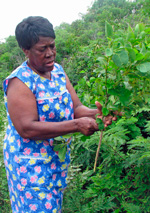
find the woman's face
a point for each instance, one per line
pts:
(42, 55)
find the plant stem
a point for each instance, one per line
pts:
(105, 105)
(106, 77)
(98, 149)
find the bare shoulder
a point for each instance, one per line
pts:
(17, 90)
(17, 86)
(21, 104)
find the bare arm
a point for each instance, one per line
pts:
(25, 117)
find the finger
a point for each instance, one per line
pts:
(107, 123)
(114, 118)
(108, 117)
(99, 107)
(94, 126)
(99, 116)
(109, 120)
(118, 113)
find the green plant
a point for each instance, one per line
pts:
(123, 72)
(120, 82)
(4, 194)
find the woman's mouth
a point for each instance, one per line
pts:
(50, 63)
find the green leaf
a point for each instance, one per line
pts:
(87, 98)
(105, 111)
(142, 35)
(99, 90)
(119, 41)
(92, 79)
(128, 45)
(58, 138)
(100, 123)
(61, 149)
(121, 58)
(113, 92)
(67, 136)
(109, 52)
(130, 34)
(116, 60)
(139, 57)
(58, 147)
(101, 60)
(124, 57)
(88, 83)
(132, 54)
(62, 152)
(143, 49)
(108, 30)
(82, 71)
(139, 28)
(84, 138)
(122, 93)
(147, 55)
(125, 97)
(145, 67)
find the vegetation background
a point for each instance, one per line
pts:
(106, 55)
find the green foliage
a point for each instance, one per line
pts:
(119, 79)
(4, 194)
(11, 56)
(121, 183)
(146, 7)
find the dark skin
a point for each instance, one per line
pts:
(24, 114)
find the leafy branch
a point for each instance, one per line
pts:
(60, 145)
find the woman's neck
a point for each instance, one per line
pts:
(42, 74)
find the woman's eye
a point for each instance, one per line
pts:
(42, 50)
(52, 47)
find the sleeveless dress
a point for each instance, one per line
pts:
(36, 176)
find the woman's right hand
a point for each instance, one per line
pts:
(87, 125)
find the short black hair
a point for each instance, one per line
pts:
(30, 29)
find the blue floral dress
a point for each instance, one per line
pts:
(36, 176)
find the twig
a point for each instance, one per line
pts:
(98, 149)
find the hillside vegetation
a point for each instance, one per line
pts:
(106, 55)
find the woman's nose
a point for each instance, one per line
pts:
(49, 52)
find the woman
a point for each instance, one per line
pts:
(41, 105)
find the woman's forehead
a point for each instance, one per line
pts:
(45, 41)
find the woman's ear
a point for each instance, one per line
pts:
(26, 52)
